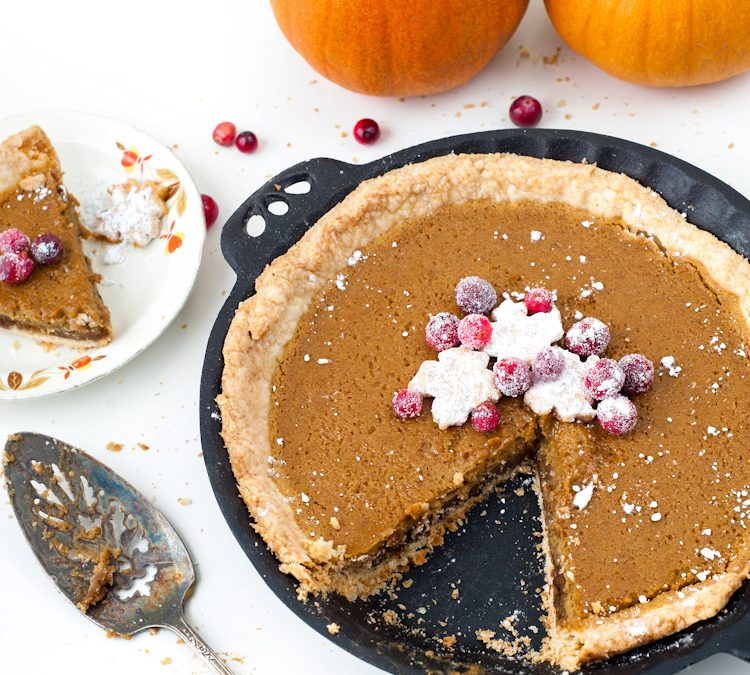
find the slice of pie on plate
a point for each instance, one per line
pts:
(60, 302)
(645, 532)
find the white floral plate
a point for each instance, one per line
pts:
(147, 289)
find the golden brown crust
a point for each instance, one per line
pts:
(668, 613)
(266, 322)
(23, 156)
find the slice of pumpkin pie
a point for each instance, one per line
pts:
(47, 288)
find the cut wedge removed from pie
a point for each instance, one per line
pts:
(645, 533)
(57, 303)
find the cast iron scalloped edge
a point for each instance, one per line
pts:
(709, 204)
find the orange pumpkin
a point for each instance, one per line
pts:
(398, 47)
(664, 43)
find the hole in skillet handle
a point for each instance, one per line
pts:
(256, 225)
(301, 187)
(279, 213)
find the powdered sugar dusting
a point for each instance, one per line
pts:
(458, 381)
(709, 553)
(536, 235)
(583, 495)
(672, 368)
(566, 396)
(114, 254)
(356, 257)
(134, 216)
(516, 334)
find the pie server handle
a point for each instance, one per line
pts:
(210, 658)
(329, 182)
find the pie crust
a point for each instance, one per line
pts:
(267, 321)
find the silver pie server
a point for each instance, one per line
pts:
(110, 552)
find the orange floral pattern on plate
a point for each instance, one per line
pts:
(15, 381)
(175, 195)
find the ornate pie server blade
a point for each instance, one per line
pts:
(106, 547)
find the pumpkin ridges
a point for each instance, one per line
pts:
(393, 48)
(678, 43)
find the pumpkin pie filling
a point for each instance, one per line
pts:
(666, 505)
(58, 303)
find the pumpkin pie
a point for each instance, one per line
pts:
(60, 302)
(644, 532)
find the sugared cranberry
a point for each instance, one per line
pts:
(14, 241)
(441, 332)
(407, 404)
(639, 373)
(588, 336)
(15, 268)
(485, 417)
(47, 249)
(474, 331)
(246, 142)
(548, 364)
(210, 209)
(224, 133)
(475, 295)
(512, 376)
(617, 415)
(366, 131)
(604, 378)
(525, 111)
(539, 300)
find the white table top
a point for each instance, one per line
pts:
(175, 73)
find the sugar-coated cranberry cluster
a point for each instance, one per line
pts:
(19, 255)
(607, 381)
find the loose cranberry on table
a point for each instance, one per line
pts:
(407, 404)
(475, 295)
(246, 142)
(604, 378)
(441, 332)
(485, 417)
(474, 331)
(617, 415)
(47, 249)
(210, 209)
(224, 133)
(639, 373)
(525, 111)
(539, 301)
(15, 268)
(14, 241)
(512, 376)
(366, 131)
(588, 336)
(548, 364)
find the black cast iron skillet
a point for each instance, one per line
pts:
(487, 559)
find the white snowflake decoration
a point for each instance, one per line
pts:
(515, 333)
(458, 381)
(567, 395)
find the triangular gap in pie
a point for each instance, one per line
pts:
(347, 496)
(58, 303)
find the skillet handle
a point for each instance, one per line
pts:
(279, 213)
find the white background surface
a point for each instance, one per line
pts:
(174, 72)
